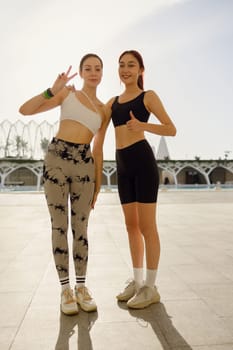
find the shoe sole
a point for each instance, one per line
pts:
(94, 308)
(124, 298)
(69, 313)
(145, 304)
(88, 310)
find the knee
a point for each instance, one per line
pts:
(59, 231)
(149, 231)
(132, 228)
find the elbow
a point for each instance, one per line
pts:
(169, 129)
(173, 131)
(27, 110)
(23, 111)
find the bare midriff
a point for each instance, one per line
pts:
(73, 131)
(125, 137)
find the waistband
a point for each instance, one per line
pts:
(133, 146)
(55, 140)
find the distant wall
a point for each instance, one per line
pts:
(23, 172)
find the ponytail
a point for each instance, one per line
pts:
(140, 82)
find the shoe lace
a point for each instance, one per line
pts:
(141, 290)
(68, 294)
(86, 294)
(129, 282)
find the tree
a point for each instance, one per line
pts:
(44, 144)
(6, 148)
(226, 154)
(20, 146)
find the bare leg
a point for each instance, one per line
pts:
(148, 227)
(148, 294)
(135, 237)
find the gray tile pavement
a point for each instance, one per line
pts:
(195, 277)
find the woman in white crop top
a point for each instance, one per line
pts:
(72, 172)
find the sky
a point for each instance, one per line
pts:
(186, 46)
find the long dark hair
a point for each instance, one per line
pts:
(88, 55)
(139, 58)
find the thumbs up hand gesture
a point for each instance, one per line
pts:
(134, 124)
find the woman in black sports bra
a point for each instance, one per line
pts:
(72, 172)
(138, 177)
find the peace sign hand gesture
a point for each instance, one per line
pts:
(62, 80)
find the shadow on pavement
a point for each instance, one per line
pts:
(156, 316)
(84, 322)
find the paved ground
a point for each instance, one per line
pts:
(195, 277)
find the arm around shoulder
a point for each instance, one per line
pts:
(100, 136)
(98, 148)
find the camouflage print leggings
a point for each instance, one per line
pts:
(69, 177)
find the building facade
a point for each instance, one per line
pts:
(23, 146)
(22, 173)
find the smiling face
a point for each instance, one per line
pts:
(91, 70)
(129, 69)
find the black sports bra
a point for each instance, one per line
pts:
(120, 111)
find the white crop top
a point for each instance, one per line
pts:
(72, 108)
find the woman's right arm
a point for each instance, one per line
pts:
(97, 150)
(42, 102)
(38, 104)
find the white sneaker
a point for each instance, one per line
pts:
(128, 292)
(84, 299)
(68, 302)
(144, 297)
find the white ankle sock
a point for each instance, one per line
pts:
(150, 277)
(65, 283)
(138, 276)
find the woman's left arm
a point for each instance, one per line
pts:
(154, 105)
